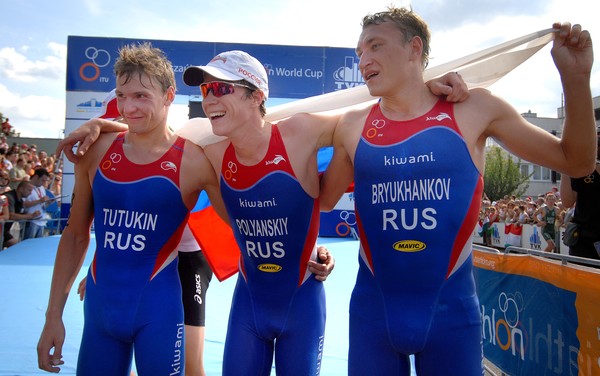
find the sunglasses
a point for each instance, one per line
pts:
(219, 88)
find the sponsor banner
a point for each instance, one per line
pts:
(539, 317)
(294, 71)
(341, 221)
(84, 105)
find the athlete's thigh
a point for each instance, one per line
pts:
(160, 346)
(459, 350)
(159, 334)
(299, 348)
(370, 351)
(454, 342)
(101, 355)
(246, 352)
(301, 353)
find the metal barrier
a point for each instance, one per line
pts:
(53, 226)
(564, 259)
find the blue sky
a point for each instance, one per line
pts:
(33, 38)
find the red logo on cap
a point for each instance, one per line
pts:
(223, 59)
(249, 75)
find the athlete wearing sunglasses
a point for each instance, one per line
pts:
(220, 88)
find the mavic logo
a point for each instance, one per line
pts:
(409, 246)
(440, 117)
(269, 268)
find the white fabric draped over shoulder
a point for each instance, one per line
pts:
(480, 69)
(199, 131)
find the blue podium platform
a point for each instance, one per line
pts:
(26, 272)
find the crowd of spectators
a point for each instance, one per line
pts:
(18, 164)
(528, 210)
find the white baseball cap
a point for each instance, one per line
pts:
(230, 66)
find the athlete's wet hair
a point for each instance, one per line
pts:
(408, 22)
(144, 59)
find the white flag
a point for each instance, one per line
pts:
(480, 69)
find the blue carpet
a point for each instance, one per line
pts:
(26, 272)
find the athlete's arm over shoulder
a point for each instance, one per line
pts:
(318, 128)
(197, 174)
(340, 172)
(451, 85)
(86, 134)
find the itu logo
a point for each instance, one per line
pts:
(231, 170)
(90, 70)
(347, 224)
(113, 159)
(506, 331)
(348, 75)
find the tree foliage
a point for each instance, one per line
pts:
(502, 175)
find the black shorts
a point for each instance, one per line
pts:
(195, 275)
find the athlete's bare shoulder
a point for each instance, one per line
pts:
(479, 99)
(353, 120)
(196, 173)
(92, 157)
(194, 159)
(215, 152)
